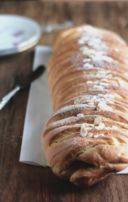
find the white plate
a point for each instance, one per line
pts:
(17, 34)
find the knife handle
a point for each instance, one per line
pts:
(8, 97)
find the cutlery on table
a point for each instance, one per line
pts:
(22, 83)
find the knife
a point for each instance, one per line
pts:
(22, 83)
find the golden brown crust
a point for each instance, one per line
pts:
(86, 137)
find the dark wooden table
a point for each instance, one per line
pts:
(24, 183)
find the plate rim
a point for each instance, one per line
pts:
(26, 44)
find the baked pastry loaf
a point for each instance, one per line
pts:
(86, 138)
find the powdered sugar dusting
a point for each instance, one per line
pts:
(63, 121)
(103, 84)
(87, 51)
(103, 106)
(93, 48)
(95, 57)
(70, 108)
(92, 41)
(94, 98)
(97, 120)
(88, 66)
(100, 57)
(80, 115)
(122, 83)
(99, 85)
(87, 129)
(99, 102)
(104, 74)
(92, 38)
(66, 120)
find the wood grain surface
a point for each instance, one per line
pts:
(23, 183)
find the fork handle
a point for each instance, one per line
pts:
(8, 97)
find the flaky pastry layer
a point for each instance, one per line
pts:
(86, 139)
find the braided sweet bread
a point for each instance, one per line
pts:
(86, 137)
